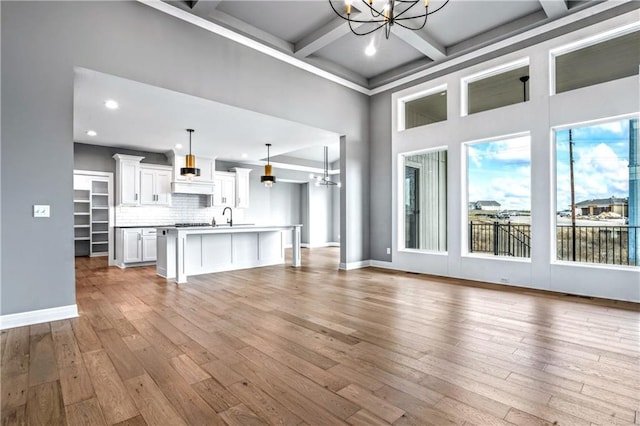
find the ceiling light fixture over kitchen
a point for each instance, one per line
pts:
(324, 179)
(392, 12)
(111, 104)
(190, 170)
(268, 179)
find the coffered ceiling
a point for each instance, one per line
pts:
(309, 30)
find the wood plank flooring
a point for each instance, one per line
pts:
(318, 346)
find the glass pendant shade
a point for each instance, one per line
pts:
(268, 179)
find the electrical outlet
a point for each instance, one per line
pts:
(41, 210)
(388, 250)
(505, 280)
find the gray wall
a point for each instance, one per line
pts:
(42, 42)
(100, 158)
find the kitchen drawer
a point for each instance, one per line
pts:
(148, 231)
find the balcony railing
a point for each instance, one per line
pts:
(613, 245)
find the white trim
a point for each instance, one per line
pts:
(412, 97)
(500, 69)
(36, 317)
(354, 265)
(383, 264)
(558, 23)
(585, 42)
(246, 41)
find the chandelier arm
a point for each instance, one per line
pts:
(414, 29)
(366, 33)
(423, 15)
(398, 16)
(374, 11)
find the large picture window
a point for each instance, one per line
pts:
(597, 196)
(499, 197)
(425, 200)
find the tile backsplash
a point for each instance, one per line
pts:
(185, 208)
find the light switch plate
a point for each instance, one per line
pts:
(41, 210)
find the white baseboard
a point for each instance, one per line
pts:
(333, 244)
(382, 264)
(354, 265)
(37, 317)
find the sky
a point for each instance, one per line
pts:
(601, 162)
(501, 171)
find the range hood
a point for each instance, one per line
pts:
(202, 184)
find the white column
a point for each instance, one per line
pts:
(181, 245)
(295, 258)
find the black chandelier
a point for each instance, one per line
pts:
(394, 12)
(324, 180)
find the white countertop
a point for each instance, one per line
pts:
(225, 229)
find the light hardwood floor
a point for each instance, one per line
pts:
(315, 345)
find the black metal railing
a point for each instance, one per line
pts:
(501, 239)
(614, 245)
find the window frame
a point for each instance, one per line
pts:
(481, 75)
(401, 200)
(412, 97)
(464, 194)
(553, 219)
(582, 43)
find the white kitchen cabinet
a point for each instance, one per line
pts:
(242, 187)
(225, 189)
(135, 246)
(149, 249)
(155, 185)
(127, 179)
(131, 245)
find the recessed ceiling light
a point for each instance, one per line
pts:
(178, 146)
(244, 155)
(92, 133)
(111, 104)
(370, 50)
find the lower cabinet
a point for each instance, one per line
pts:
(135, 246)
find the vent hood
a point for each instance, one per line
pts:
(202, 184)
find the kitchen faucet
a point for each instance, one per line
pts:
(230, 220)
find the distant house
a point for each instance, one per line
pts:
(603, 205)
(487, 205)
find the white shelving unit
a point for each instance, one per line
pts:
(82, 221)
(93, 213)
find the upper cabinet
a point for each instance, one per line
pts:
(225, 189)
(127, 180)
(141, 184)
(155, 185)
(242, 187)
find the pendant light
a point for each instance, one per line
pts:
(325, 180)
(190, 170)
(268, 179)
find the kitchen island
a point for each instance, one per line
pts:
(182, 252)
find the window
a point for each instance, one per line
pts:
(425, 201)
(499, 90)
(597, 193)
(499, 197)
(426, 109)
(597, 63)
(504, 85)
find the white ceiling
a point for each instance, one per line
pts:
(154, 119)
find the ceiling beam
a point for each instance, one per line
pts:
(204, 8)
(554, 8)
(323, 36)
(421, 42)
(235, 24)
